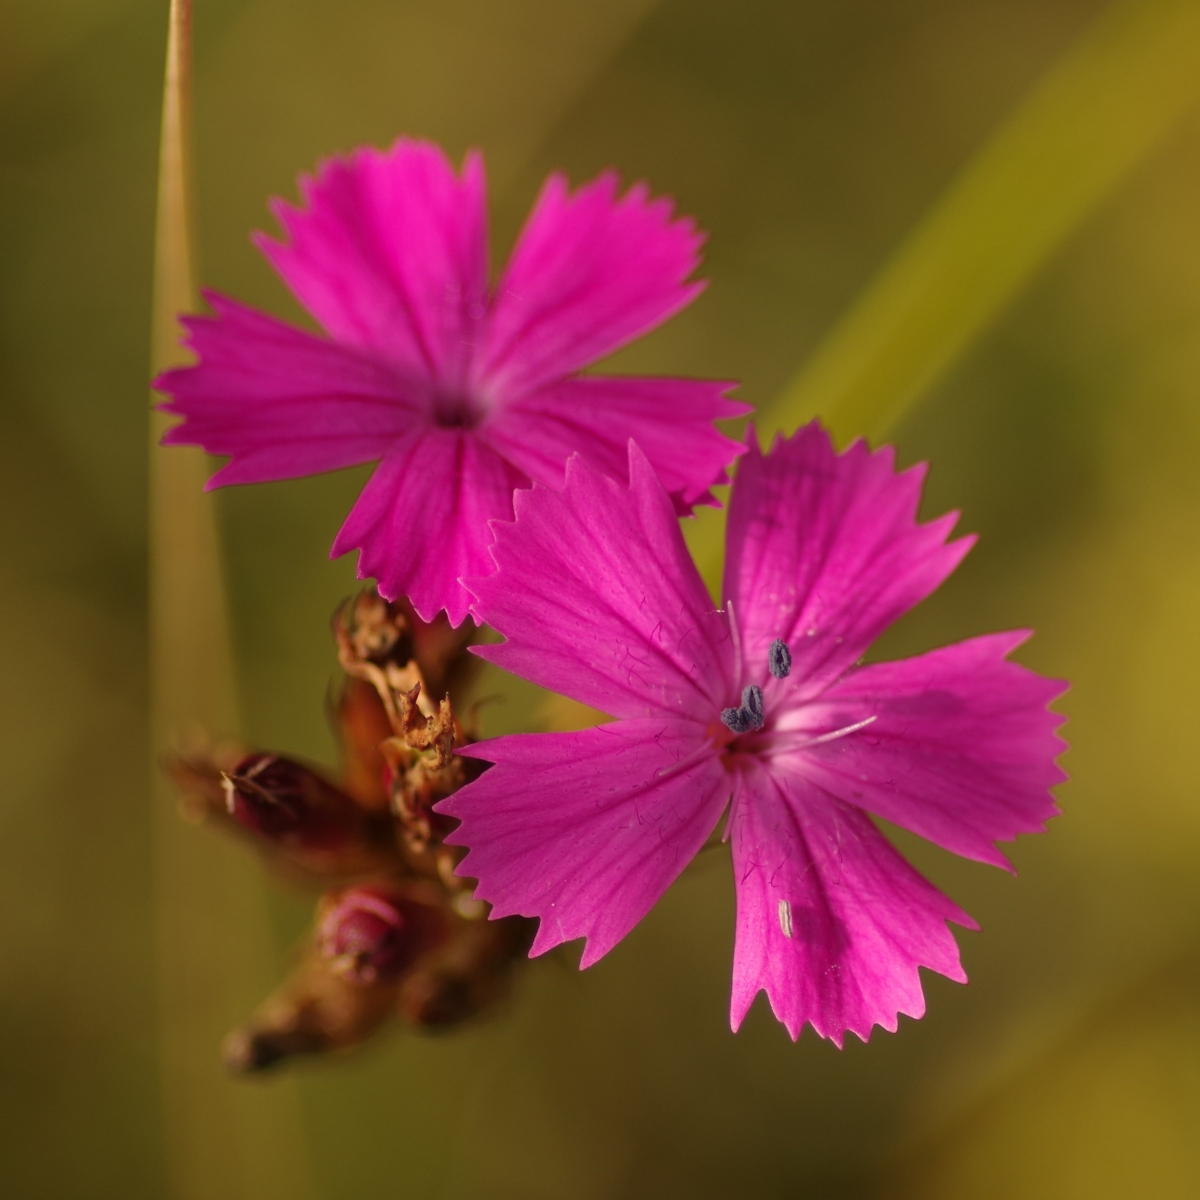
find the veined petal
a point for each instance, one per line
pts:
(390, 253)
(590, 272)
(599, 599)
(960, 747)
(422, 520)
(670, 419)
(281, 402)
(831, 922)
(824, 551)
(585, 831)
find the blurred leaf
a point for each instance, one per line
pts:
(1091, 120)
(1097, 114)
(1106, 1109)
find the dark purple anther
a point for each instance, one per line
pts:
(738, 720)
(779, 659)
(749, 716)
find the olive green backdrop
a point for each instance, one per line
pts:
(809, 137)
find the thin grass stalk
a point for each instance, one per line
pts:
(214, 950)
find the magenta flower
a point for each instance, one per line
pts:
(761, 707)
(460, 392)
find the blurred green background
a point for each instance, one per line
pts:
(809, 137)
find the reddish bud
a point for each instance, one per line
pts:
(285, 802)
(361, 722)
(367, 934)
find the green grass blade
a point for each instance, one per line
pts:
(214, 947)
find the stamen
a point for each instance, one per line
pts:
(841, 733)
(784, 743)
(749, 716)
(688, 760)
(779, 659)
(737, 720)
(785, 918)
(737, 639)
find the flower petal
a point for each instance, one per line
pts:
(422, 520)
(670, 419)
(281, 402)
(831, 922)
(390, 253)
(960, 748)
(590, 272)
(824, 551)
(599, 599)
(587, 830)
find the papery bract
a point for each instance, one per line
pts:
(461, 392)
(761, 706)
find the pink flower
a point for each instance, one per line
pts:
(460, 392)
(761, 707)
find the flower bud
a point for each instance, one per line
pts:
(283, 801)
(361, 723)
(367, 934)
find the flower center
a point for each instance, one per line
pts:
(456, 410)
(749, 715)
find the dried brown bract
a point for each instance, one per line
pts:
(422, 769)
(396, 933)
